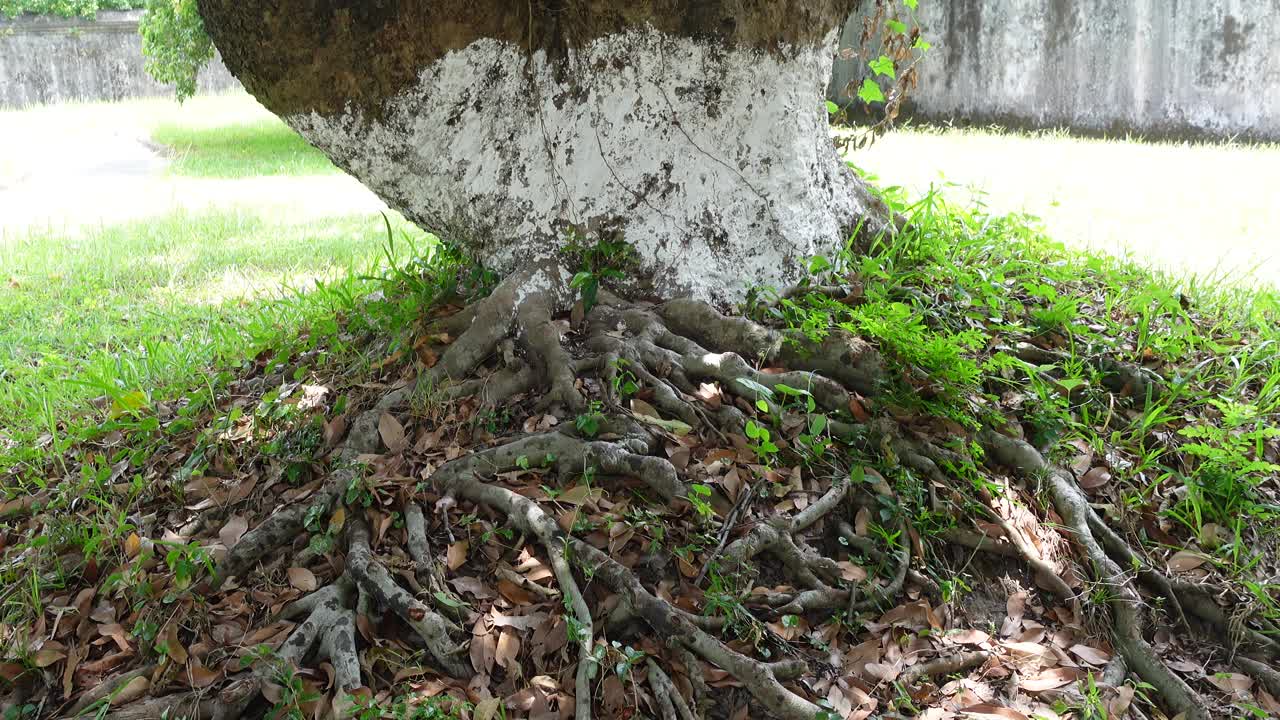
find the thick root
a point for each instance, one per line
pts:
(374, 580)
(672, 352)
(1073, 506)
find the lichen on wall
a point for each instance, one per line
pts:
(1154, 67)
(46, 60)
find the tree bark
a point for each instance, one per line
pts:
(695, 132)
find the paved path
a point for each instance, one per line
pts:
(67, 170)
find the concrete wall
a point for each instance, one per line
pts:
(48, 60)
(1157, 67)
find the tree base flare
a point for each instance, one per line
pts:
(679, 519)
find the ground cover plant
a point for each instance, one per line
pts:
(244, 149)
(680, 419)
(1162, 220)
(978, 320)
(162, 304)
(153, 304)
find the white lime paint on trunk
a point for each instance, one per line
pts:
(714, 163)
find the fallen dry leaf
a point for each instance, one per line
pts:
(200, 676)
(45, 658)
(851, 572)
(1185, 560)
(987, 710)
(1095, 478)
(1093, 656)
(508, 649)
(486, 709)
(302, 579)
(1231, 683)
(133, 690)
(456, 556)
(235, 529)
(173, 647)
(392, 433)
(1050, 679)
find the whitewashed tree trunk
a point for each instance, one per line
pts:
(707, 151)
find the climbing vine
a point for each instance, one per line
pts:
(892, 45)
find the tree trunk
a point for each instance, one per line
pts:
(695, 132)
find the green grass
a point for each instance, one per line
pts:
(1190, 208)
(260, 147)
(158, 305)
(143, 314)
(152, 305)
(949, 300)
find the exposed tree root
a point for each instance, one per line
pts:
(945, 666)
(1125, 604)
(374, 580)
(671, 703)
(95, 695)
(1121, 378)
(673, 351)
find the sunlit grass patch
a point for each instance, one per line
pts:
(152, 305)
(259, 147)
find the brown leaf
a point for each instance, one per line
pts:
(45, 658)
(69, 672)
(861, 522)
(392, 433)
(709, 394)
(508, 649)
(116, 632)
(1016, 606)
(132, 545)
(641, 407)
(1083, 460)
(987, 710)
(1185, 560)
(858, 410)
(514, 593)
(851, 572)
(486, 709)
(1093, 656)
(337, 520)
(1118, 707)
(968, 637)
(1095, 478)
(1050, 679)
(1231, 683)
(173, 647)
(886, 672)
(132, 690)
(456, 556)
(334, 430)
(580, 495)
(200, 676)
(235, 529)
(472, 586)
(302, 579)
(519, 622)
(1032, 651)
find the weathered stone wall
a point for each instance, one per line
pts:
(50, 59)
(1155, 67)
